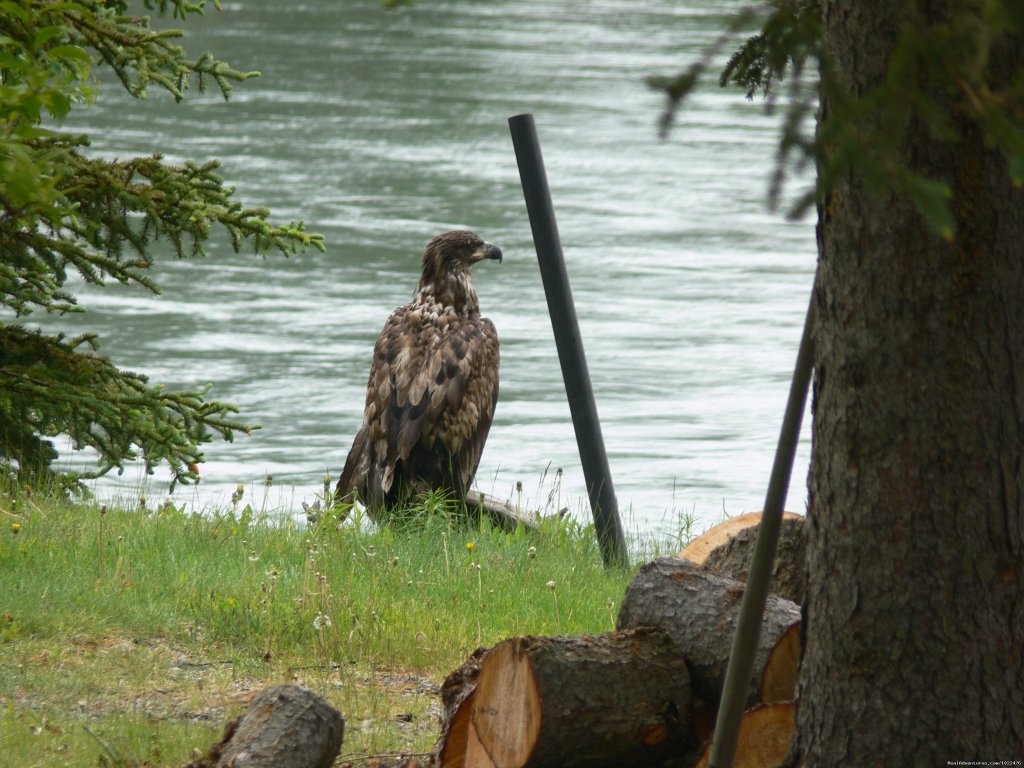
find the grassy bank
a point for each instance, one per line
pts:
(128, 636)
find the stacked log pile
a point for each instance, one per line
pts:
(646, 694)
(643, 695)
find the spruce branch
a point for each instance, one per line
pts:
(938, 73)
(49, 387)
(65, 213)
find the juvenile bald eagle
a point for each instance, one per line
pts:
(433, 386)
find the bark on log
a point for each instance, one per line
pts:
(285, 726)
(699, 608)
(456, 702)
(734, 555)
(765, 735)
(460, 683)
(621, 698)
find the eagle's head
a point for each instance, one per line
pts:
(446, 265)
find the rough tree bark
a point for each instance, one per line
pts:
(729, 549)
(285, 726)
(698, 608)
(914, 619)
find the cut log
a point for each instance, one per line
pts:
(457, 733)
(731, 551)
(285, 726)
(621, 698)
(765, 734)
(456, 703)
(697, 551)
(778, 682)
(699, 609)
(461, 683)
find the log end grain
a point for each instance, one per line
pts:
(507, 707)
(765, 735)
(778, 682)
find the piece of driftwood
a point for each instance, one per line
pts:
(502, 515)
(729, 549)
(620, 698)
(699, 609)
(285, 726)
(765, 735)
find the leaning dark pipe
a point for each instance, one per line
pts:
(755, 595)
(568, 341)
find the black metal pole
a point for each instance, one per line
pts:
(755, 595)
(568, 341)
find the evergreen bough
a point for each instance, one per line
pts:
(785, 61)
(63, 212)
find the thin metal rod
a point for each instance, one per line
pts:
(755, 595)
(568, 341)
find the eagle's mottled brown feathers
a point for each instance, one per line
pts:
(433, 386)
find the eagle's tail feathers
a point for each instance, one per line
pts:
(345, 490)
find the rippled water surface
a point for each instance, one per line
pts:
(382, 128)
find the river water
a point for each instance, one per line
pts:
(382, 128)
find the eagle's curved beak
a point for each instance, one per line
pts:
(488, 251)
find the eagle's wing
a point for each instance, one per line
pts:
(429, 406)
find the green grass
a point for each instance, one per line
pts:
(129, 636)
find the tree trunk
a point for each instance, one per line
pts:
(914, 627)
(699, 608)
(285, 726)
(621, 698)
